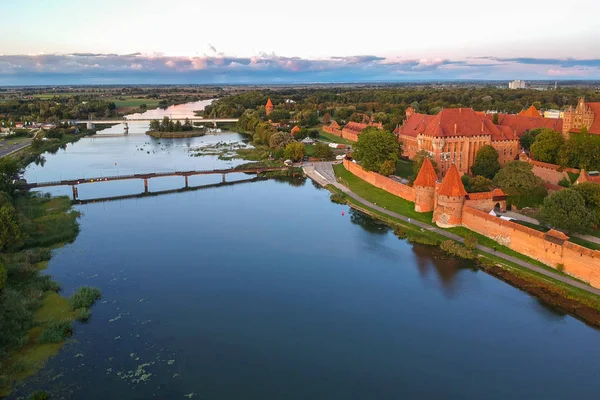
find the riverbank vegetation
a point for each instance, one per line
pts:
(167, 128)
(34, 319)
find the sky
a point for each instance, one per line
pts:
(240, 41)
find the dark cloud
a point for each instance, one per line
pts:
(265, 67)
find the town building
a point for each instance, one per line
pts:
(588, 176)
(584, 115)
(516, 84)
(351, 130)
(269, 107)
(453, 137)
(295, 130)
(553, 114)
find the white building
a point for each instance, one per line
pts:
(516, 84)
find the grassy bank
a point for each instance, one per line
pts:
(35, 319)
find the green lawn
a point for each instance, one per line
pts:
(332, 138)
(379, 196)
(404, 168)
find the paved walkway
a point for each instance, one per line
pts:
(12, 148)
(323, 174)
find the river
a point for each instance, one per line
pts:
(267, 290)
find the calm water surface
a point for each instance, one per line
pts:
(265, 290)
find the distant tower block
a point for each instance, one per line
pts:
(269, 107)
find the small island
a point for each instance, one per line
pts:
(167, 128)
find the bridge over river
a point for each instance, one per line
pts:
(145, 177)
(91, 123)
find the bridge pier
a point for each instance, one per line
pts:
(75, 192)
(186, 182)
(223, 178)
(215, 124)
(90, 125)
(145, 185)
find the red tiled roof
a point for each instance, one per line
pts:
(452, 186)
(455, 122)
(334, 124)
(355, 127)
(556, 234)
(498, 192)
(295, 129)
(269, 104)
(480, 196)
(531, 112)
(585, 177)
(520, 124)
(426, 176)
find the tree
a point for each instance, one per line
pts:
(528, 138)
(516, 178)
(154, 125)
(327, 118)
(387, 168)
(10, 233)
(591, 195)
(546, 146)
(566, 210)
(495, 119)
(374, 146)
(486, 162)
(294, 151)
(480, 184)
(323, 151)
(418, 162)
(279, 140)
(8, 171)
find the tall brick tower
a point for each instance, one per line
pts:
(450, 198)
(424, 187)
(269, 107)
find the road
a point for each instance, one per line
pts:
(323, 174)
(11, 148)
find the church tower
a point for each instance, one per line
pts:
(269, 107)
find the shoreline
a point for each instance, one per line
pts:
(583, 306)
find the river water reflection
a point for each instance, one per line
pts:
(265, 290)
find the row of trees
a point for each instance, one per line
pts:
(168, 125)
(580, 150)
(377, 150)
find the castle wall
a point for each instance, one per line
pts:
(389, 185)
(448, 211)
(578, 261)
(486, 205)
(424, 198)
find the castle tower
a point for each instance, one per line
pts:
(424, 187)
(450, 198)
(269, 107)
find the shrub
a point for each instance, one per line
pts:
(564, 182)
(338, 198)
(470, 241)
(85, 297)
(83, 314)
(400, 232)
(35, 256)
(39, 395)
(56, 332)
(560, 267)
(456, 249)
